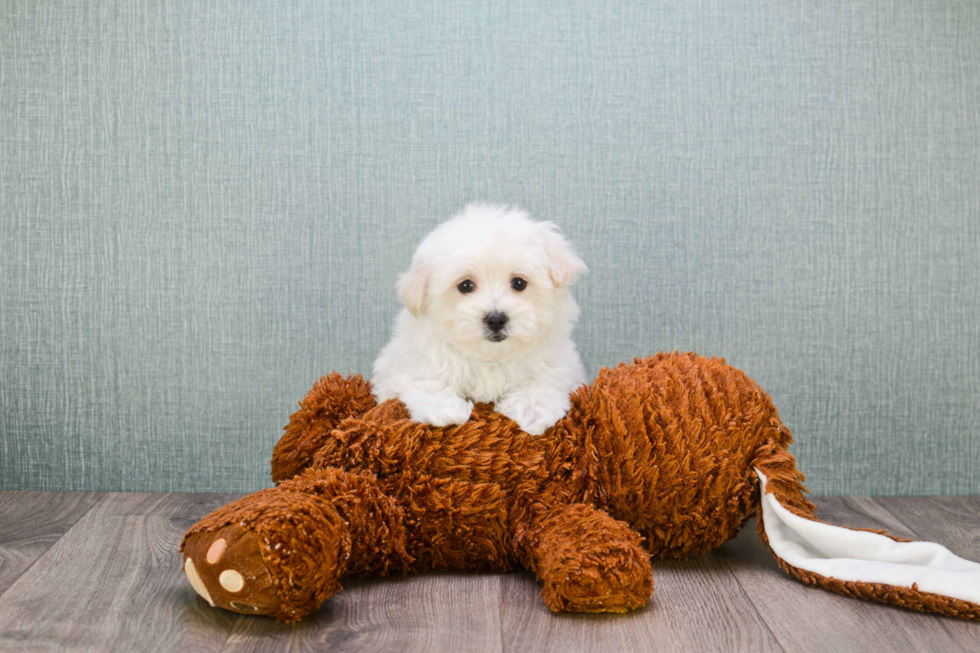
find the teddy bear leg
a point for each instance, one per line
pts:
(588, 561)
(283, 551)
(332, 399)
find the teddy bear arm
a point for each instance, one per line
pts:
(587, 560)
(332, 399)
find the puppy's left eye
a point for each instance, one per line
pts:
(518, 284)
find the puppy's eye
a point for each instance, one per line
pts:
(518, 284)
(466, 286)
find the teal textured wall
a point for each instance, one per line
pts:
(205, 205)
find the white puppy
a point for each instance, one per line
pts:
(487, 318)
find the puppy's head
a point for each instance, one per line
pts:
(493, 280)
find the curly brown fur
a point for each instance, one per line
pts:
(654, 459)
(331, 399)
(588, 561)
(302, 540)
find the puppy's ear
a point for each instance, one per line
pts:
(563, 263)
(412, 287)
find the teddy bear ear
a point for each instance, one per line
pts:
(564, 265)
(412, 287)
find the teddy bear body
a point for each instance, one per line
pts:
(665, 457)
(655, 459)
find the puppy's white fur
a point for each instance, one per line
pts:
(441, 359)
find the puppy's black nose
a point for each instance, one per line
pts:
(495, 321)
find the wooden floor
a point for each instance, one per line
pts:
(100, 572)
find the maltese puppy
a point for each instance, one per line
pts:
(487, 318)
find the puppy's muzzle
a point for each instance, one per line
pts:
(496, 323)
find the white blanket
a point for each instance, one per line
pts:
(849, 555)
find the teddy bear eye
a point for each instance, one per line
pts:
(518, 284)
(466, 286)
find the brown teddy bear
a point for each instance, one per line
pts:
(665, 457)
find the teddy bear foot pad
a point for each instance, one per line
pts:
(226, 568)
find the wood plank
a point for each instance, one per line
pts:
(954, 522)
(697, 605)
(114, 582)
(31, 522)
(429, 612)
(809, 619)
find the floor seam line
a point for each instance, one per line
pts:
(60, 537)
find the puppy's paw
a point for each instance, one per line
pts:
(534, 415)
(439, 409)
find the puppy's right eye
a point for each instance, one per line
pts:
(466, 286)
